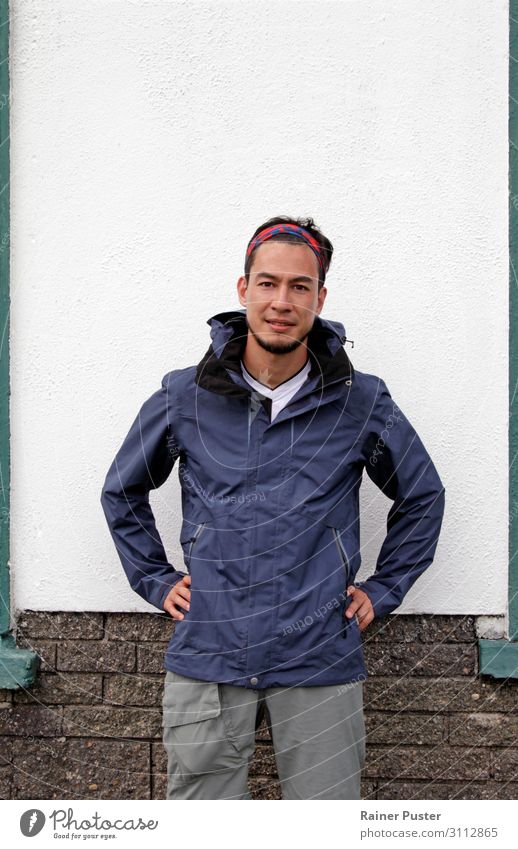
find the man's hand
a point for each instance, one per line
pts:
(180, 595)
(360, 605)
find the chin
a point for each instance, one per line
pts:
(272, 343)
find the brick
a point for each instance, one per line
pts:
(158, 758)
(431, 659)
(416, 790)
(102, 656)
(31, 721)
(263, 761)
(368, 789)
(150, 657)
(6, 748)
(490, 790)
(422, 628)
(45, 649)
(435, 762)
(409, 790)
(264, 788)
(53, 688)
(6, 775)
(484, 729)
(159, 785)
(440, 695)
(39, 768)
(112, 722)
(135, 689)
(419, 729)
(505, 764)
(60, 626)
(91, 769)
(139, 627)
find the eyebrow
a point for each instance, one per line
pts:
(300, 279)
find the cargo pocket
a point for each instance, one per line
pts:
(197, 738)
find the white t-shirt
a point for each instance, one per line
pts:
(282, 393)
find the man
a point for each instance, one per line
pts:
(273, 429)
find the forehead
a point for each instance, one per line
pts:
(286, 258)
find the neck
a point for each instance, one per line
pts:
(269, 368)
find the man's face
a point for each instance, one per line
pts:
(282, 297)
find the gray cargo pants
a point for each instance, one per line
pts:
(318, 737)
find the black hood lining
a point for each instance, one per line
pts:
(211, 372)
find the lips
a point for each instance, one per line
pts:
(280, 323)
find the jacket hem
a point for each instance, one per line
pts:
(215, 673)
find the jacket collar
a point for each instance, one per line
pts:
(229, 332)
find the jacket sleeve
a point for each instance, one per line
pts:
(143, 462)
(398, 463)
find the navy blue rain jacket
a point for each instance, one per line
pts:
(271, 527)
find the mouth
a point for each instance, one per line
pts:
(279, 325)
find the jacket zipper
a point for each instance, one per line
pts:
(345, 562)
(193, 540)
(279, 420)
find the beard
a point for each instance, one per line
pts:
(277, 347)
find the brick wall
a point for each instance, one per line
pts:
(90, 726)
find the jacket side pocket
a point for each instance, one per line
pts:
(347, 571)
(188, 540)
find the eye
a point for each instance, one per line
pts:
(301, 286)
(264, 283)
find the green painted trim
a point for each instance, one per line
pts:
(513, 319)
(499, 658)
(4, 329)
(17, 666)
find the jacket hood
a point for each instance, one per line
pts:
(223, 326)
(229, 331)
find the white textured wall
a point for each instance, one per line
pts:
(148, 141)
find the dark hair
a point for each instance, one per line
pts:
(309, 225)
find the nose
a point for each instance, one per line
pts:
(281, 301)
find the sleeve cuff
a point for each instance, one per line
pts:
(163, 592)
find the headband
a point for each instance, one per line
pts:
(288, 228)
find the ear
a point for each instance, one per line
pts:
(321, 299)
(242, 288)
